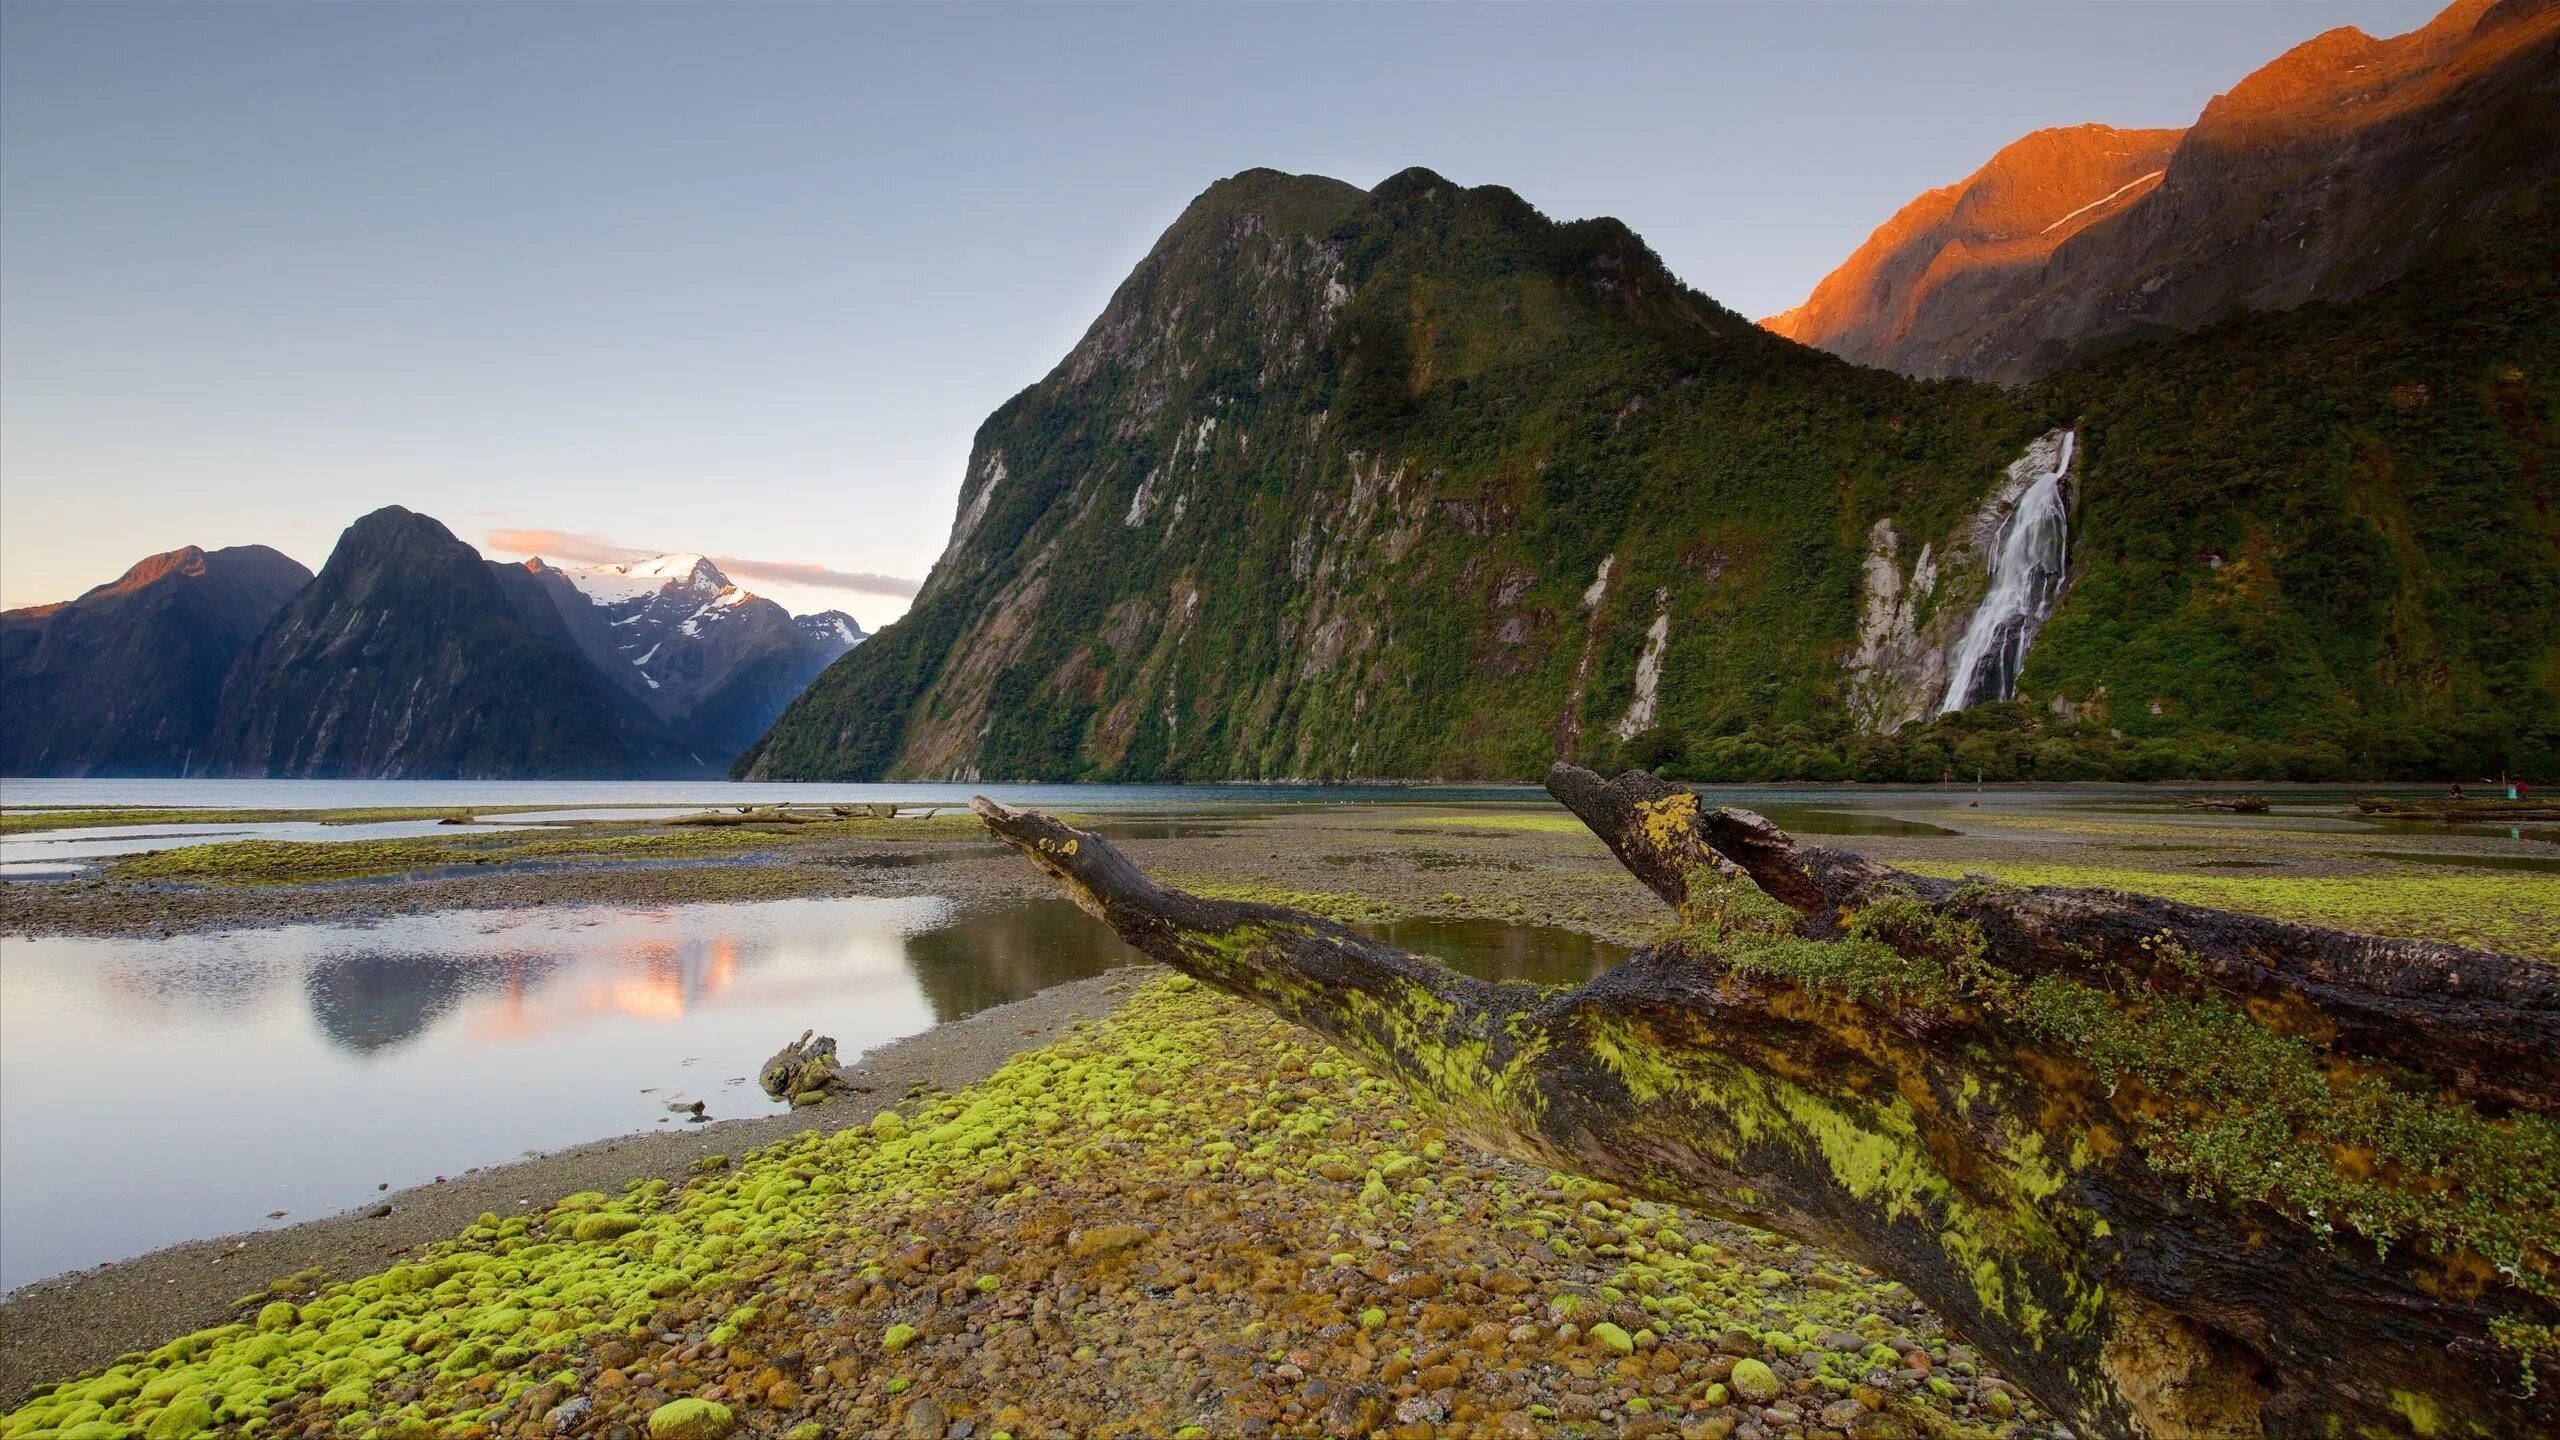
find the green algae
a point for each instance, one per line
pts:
(2516, 913)
(1346, 909)
(294, 862)
(20, 820)
(691, 1419)
(465, 1326)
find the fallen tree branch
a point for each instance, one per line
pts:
(2054, 1148)
(2485, 1025)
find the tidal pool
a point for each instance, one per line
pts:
(153, 1091)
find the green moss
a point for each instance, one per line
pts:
(607, 1226)
(294, 862)
(691, 1419)
(1347, 909)
(2517, 913)
(2245, 1113)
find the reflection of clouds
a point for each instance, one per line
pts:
(515, 977)
(626, 966)
(149, 988)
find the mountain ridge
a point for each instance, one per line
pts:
(1420, 482)
(2324, 174)
(125, 679)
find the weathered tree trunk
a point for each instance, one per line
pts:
(2147, 1156)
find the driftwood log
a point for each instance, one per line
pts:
(2178, 1172)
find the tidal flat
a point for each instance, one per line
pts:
(1168, 1214)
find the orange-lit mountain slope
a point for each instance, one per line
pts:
(2321, 176)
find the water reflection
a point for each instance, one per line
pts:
(987, 957)
(366, 1003)
(1494, 950)
(346, 1056)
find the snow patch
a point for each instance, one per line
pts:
(635, 579)
(2103, 199)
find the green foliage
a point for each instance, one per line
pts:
(2015, 740)
(2516, 913)
(1325, 489)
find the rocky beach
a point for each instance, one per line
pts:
(1123, 1206)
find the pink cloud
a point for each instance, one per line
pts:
(579, 548)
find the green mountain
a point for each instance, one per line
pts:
(1417, 482)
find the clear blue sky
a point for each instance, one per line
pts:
(743, 279)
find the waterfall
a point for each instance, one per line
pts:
(2025, 582)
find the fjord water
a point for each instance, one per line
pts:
(158, 1090)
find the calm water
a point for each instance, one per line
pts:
(153, 1091)
(351, 794)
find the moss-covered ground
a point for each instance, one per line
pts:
(2517, 912)
(21, 820)
(302, 862)
(1187, 1221)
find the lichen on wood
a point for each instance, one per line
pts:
(2181, 1172)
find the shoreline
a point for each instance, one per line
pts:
(1516, 869)
(66, 1324)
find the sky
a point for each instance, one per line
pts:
(609, 279)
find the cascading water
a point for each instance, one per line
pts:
(2025, 582)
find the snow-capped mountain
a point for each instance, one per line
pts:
(832, 627)
(713, 660)
(640, 579)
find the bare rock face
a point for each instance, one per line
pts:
(2322, 176)
(1957, 252)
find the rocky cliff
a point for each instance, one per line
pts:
(2322, 176)
(1407, 482)
(126, 680)
(1418, 482)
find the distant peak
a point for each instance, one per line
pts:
(150, 570)
(630, 579)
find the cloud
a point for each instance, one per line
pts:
(819, 575)
(578, 548)
(562, 545)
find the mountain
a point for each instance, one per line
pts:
(1962, 251)
(126, 679)
(1416, 482)
(410, 657)
(713, 662)
(2322, 176)
(1406, 482)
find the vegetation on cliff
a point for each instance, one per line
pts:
(1419, 482)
